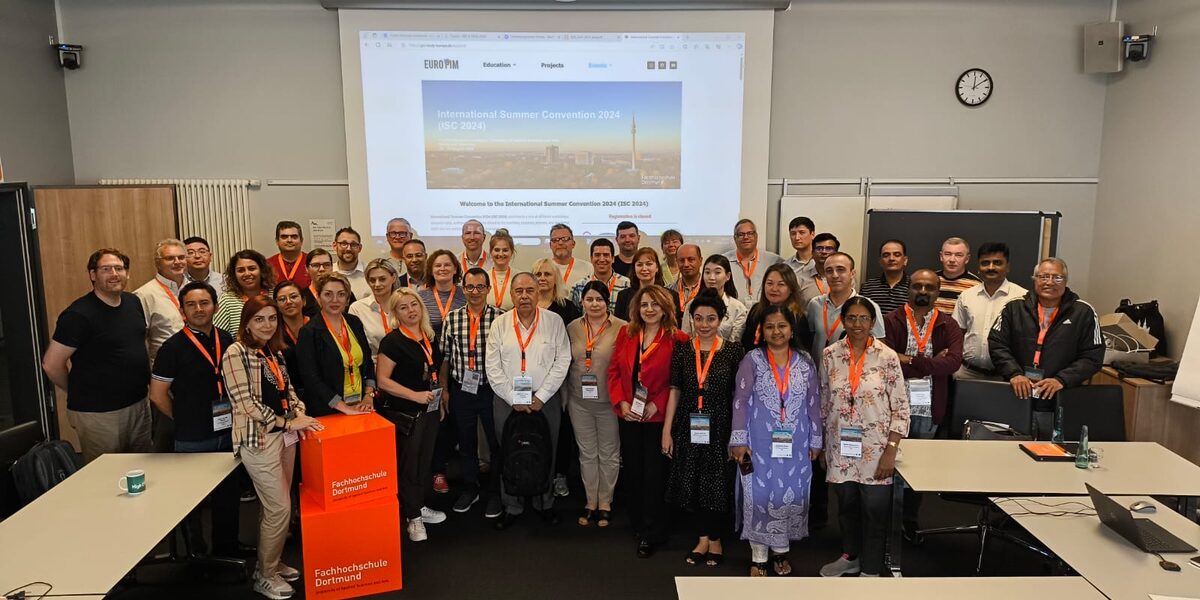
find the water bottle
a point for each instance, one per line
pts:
(1057, 435)
(1081, 455)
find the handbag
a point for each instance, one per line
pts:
(1148, 317)
(404, 422)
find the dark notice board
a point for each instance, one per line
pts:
(924, 231)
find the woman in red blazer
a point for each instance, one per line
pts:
(639, 382)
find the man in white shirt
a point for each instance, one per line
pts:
(199, 257)
(977, 308)
(160, 303)
(473, 255)
(562, 253)
(825, 311)
(748, 261)
(347, 245)
(528, 355)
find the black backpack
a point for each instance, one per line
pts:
(42, 468)
(527, 453)
(1147, 316)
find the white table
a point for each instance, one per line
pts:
(856, 588)
(84, 535)
(1112, 564)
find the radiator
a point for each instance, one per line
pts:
(217, 210)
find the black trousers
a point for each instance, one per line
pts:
(223, 500)
(864, 513)
(414, 453)
(644, 471)
(467, 410)
(712, 524)
(567, 454)
(818, 511)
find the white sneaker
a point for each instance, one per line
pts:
(273, 587)
(433, 517)
(842, 566)
(416, 530)
(287, 573)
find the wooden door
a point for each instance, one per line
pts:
(74, 221)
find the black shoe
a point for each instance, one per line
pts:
(550, 516)
(505, 521)
(645, 549)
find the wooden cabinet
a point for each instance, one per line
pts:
(1151, 415)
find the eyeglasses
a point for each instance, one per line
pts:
(172, 258)
(475, 288)
(560, 240)
(350, 245)
(290, 298)
(399, 234)
(824, 250)
(111, 269)
(856, 319)
(198, 252)
(745, 234)
(1049, 277)
(320, 265)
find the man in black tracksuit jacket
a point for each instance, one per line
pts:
(1071, 351)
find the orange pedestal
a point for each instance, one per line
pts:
(353, 461)
(350, 551)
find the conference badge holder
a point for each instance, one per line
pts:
(920, 391)
(850, 445)
(436, 403)
(590, 386)
(781, 443)
(1035, 375)
(522, 391)
(471, 381)
(222, 415)
(639, 400)
(701, 428)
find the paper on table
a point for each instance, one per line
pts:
(1158, 597)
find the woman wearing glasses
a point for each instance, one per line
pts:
(334, 356)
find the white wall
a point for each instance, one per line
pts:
(1147, 212)
(35, 137)
(220, 88)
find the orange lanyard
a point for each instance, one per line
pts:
(702, 372)
(685, 300)
(312, 289)
(749, 273)
(170, 296)
(781, 383)
(1043, 327)
(570, 266)
(591, 342)
(343, 340)
(280, 382)
(216, 364)
(426, 347)
(449, 301)
(823, 290)
(856, 366)
(387, 327)
(288, 331)
(644, 354)
(537, 317)
(473, 328)
(612, 281)
(482, 260)
(498, 292)
(825, 318)
(922, 340)
(295, 267)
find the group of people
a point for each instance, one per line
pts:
(734, 388)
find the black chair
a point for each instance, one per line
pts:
(1100, 407)
(995, 402)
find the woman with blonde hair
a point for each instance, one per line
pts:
(552, 294)
(375, 310)
(411, 397)
(502, 248)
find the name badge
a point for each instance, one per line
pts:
(436, 403)
(920, 391)
(222, 416)
(850, 442)
(522, 391)
(781, 443)
(290, 438)
(701, 428)
(1035, 375)
(590, 386)
(639, 400)
(471, 381)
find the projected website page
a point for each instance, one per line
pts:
(524, 130)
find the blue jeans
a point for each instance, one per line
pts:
(223, 500)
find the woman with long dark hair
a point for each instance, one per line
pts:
(246, 275)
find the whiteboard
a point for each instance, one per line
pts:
(846, 216)
(1187, 381)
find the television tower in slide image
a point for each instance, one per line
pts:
(633, 134)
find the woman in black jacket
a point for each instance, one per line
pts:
(334, 355)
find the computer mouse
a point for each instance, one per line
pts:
(1141, 506)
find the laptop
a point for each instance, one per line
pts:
(1143, 533)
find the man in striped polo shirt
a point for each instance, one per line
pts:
(954, 276)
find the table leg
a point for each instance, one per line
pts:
(895, 537)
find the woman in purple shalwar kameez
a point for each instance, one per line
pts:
(773, 498)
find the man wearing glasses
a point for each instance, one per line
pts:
(347, 245)
(562, 253)
(199, 257)
(98, 355)
(1046, 341)
(399, 232)
(748, 261)
(160, 303)
(824, 245)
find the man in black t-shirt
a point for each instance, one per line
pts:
(186, 386)
(103, 336)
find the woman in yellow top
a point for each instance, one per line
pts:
(502, 250)
(334, 355)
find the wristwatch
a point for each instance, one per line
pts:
(893, 444)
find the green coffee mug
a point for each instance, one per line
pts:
(133, 483)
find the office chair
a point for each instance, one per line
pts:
(985, 401)
(1100, 407)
